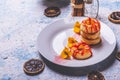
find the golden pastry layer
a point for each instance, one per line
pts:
(90, 36)
(81, 51)
(91, 41)
(81, 56)
(90, 25)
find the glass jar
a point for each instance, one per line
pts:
(91, 8)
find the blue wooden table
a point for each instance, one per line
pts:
(20, 23)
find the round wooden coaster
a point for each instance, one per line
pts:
(52, 11)
(33, 67)
(115, 17)
(118, 55)
(95, 75)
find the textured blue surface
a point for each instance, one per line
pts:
(20, 23)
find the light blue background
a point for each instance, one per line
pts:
(20, 23)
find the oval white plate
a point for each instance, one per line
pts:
(53, 39)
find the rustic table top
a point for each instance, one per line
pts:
(20, 23)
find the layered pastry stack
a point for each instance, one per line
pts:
(90, 31)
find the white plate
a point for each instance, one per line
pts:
(53, 39)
